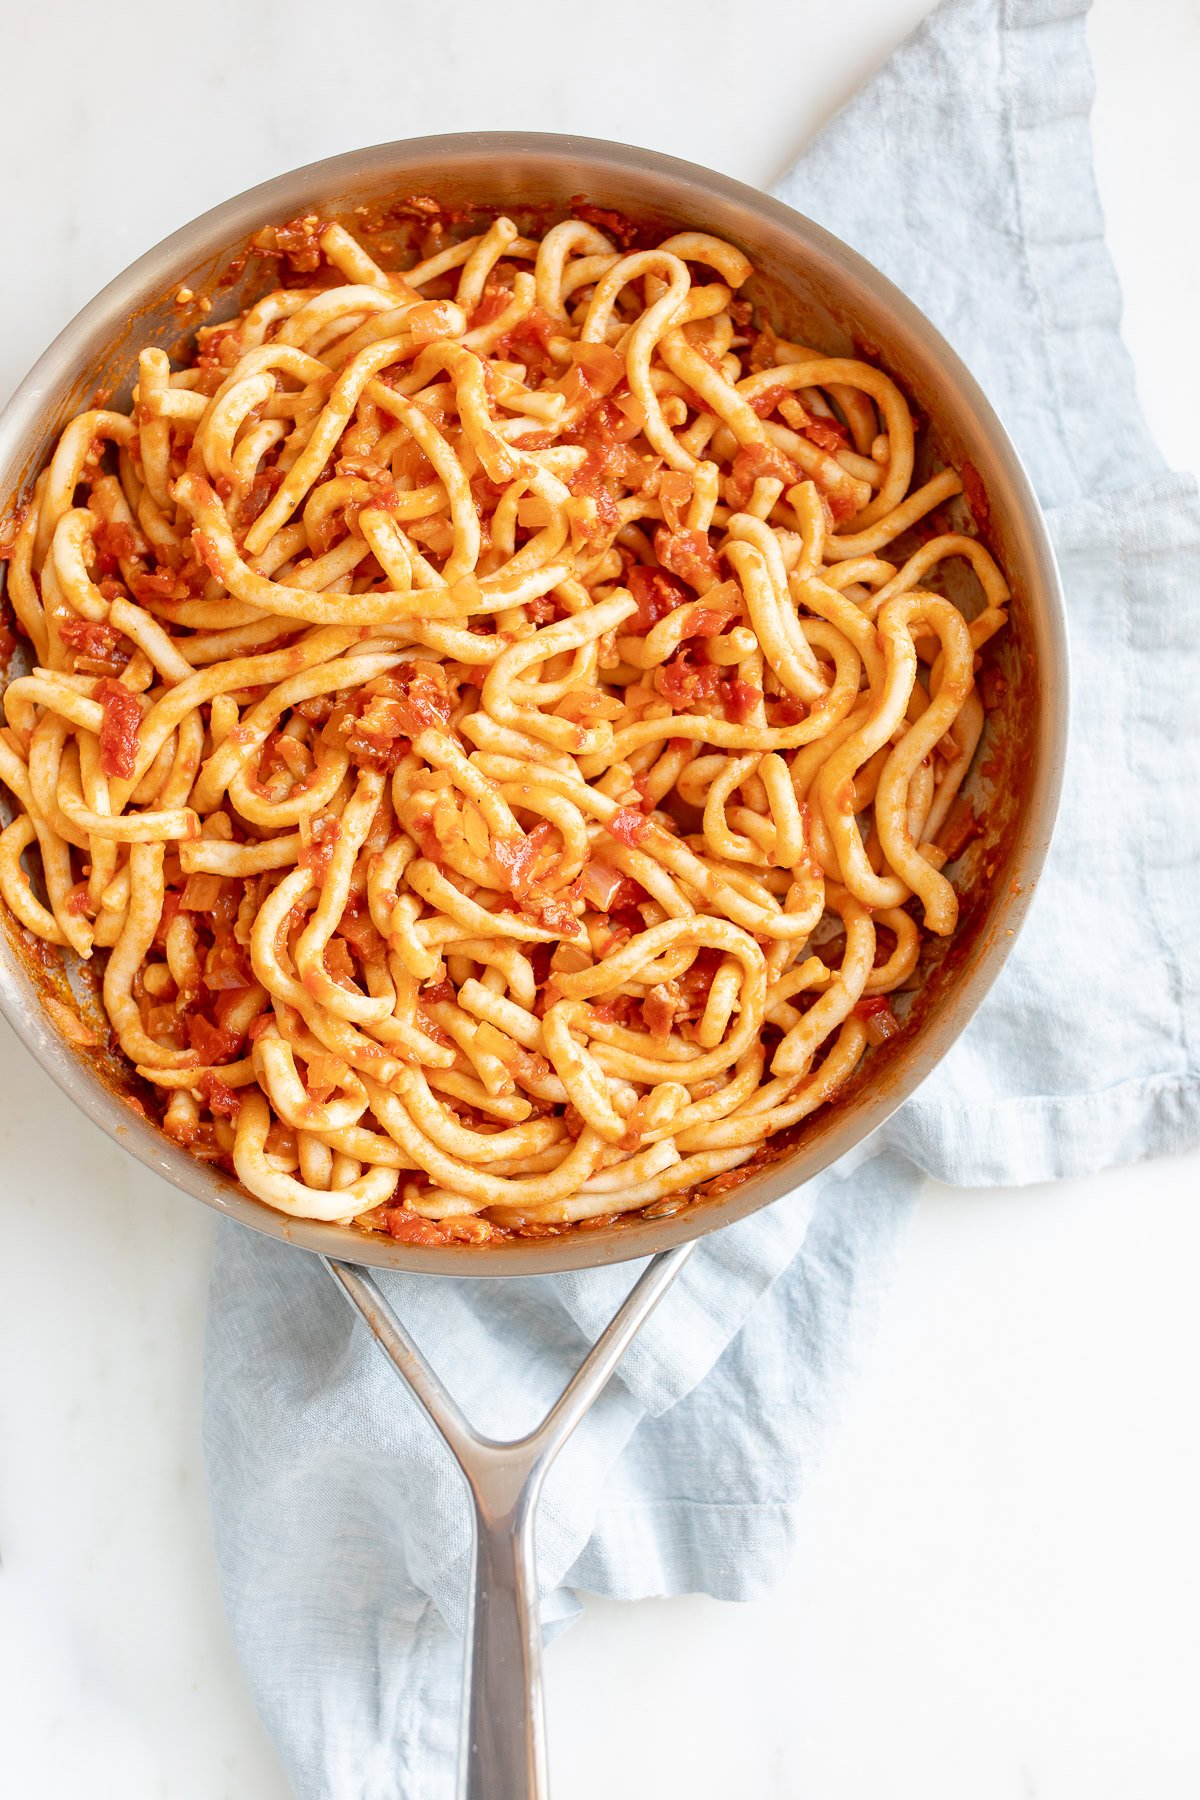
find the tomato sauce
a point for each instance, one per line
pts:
(613, 224)
(317, 854)
(975, 495)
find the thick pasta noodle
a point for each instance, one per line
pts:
(500, 724)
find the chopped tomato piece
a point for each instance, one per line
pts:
(299, 240)
(222, 1099)
(706, 623)
(95, 641)
(492, 304)
(551, 913)
(588, 483)
(207, 552)
(765, 403)
(605, 434)
(114, 541)
(210, 1043)
(316, 855)
(827, 435)
(689, 555)
(628, 827)
(659, 1007)
(695, 982)
(741, 698)
(674, 492)
(788, 711)
(617, 1011)
(657, 593)
(753, 462)
(687, 683)
(517, 858)
(377, 724)
(530, 338)
(119, 730)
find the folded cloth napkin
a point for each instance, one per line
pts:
(964, 171)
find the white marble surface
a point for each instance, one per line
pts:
(996, 1589)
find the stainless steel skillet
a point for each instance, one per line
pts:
(815, 289)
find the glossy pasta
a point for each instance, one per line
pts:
(500, 723)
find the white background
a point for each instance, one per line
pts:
(998, 1581)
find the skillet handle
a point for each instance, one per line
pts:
(503, 1754)
(503, 1751)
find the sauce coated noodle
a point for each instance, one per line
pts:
(483, 716)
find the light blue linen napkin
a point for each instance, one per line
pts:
(964, 171)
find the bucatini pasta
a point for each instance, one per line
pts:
(499, 722)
